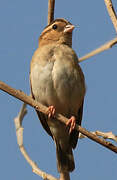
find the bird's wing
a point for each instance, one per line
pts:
(42, 117)
(74, 134)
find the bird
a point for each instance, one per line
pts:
(57, 81)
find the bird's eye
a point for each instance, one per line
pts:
(54, 27)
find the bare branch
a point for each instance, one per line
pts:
(109, 44)
(38, 106)
(111, 13)
(19, 133)
(51, 4)
(107, 135)
(100, 49)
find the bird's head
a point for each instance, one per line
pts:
(59, 31)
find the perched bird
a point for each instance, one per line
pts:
(57, 81)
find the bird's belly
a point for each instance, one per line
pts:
(42, 84)
(55, 85)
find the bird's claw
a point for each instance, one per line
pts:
(72, 123)
(51, 111)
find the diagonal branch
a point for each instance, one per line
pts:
(51, 4)
(109, 44)
(105, 135)
(19, 133)
(102, 48)
(38, 106)
(111, 13)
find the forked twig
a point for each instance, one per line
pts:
(109, 44)
(105, 135)
(19, 133)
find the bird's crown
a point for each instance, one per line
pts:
(58, 31)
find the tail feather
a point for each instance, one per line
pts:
(65, 160)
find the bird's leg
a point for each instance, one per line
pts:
(51, 111)
(72, 123)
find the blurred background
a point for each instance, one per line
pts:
(21, 23)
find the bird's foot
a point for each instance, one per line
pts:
(51, 111)
(72, 123)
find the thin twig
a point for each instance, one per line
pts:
(111, 13)
(99, 50)
(19, 133)
(51, 4)
(38, 106)
(109, 44)
(105, 135)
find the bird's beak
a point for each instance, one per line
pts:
(69, 28)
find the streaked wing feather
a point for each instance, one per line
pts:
(74, 134)
(43, 119)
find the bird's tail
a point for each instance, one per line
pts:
(65, 160)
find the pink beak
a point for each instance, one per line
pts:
(69, 28)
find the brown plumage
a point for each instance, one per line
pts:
(58, 81)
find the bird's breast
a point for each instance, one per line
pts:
(57, 81)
